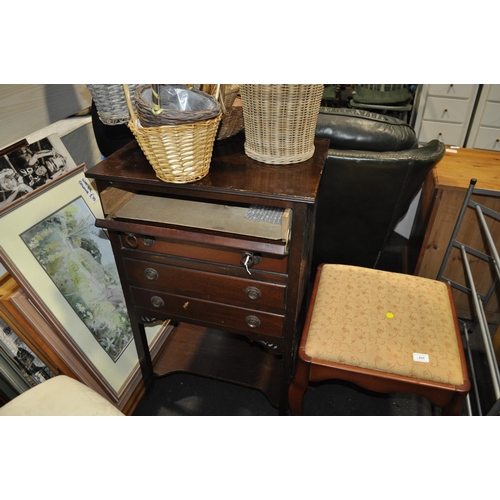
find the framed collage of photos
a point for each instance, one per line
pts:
(65, 266)
(25, 168)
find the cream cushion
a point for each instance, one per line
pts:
(380, 320)
(60, 396)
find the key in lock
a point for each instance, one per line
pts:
(249, 259)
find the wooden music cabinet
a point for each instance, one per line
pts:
(226, 258)
(440, 202)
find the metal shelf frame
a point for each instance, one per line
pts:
(479, 300)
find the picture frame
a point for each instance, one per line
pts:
(116, 378)
(34, 369)
(12, 381)
(14, 377)
(30, 326)
(25, 168)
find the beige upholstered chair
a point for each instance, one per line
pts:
(60, 396)
(386, 332)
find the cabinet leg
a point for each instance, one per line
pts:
(286, 373)
(142, 347)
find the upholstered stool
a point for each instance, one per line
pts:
(60, 396)
(385, 332)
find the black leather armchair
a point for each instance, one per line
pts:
(373, 171)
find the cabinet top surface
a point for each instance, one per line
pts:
(456, 170)
(232, 173)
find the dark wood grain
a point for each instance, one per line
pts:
(232, 175)
(202, 282)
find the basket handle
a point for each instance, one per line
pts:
(126, 90)
(155, 98)
(219, 96)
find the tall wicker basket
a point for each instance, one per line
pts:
(177, 153)
(280, 121)
(110, 102)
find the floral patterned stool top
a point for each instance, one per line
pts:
(390, 322)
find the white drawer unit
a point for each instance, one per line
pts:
(459, 91)
(485, 129)
(444, 112)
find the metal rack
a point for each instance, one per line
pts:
(479, 300)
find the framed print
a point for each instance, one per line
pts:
(23, 324)
(12, 381)
(65, 266)
(77, 258)
(26, 168)
(33, 368)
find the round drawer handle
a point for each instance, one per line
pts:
(151, 274)
(148, 242)
(157, 301)
(131, 240)
(445, 110)
(253, 321)
(253, 293)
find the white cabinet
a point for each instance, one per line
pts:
(485, 129)
(444, 112)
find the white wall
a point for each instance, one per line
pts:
(25, 109)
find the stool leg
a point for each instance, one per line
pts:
(454, 407)
(298, 386)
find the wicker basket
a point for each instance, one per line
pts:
(231, 123)
(177, 153)
(280, 121)
(232, 112)
(110, 102)
(168, 116)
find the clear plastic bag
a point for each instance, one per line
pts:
(182, 98)
(177, 104)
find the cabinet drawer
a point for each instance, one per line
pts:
(464, 91)
(491, 115)
(494, 94)
(222, 316)
(207, 252)
(488, 138)
(206, 285)
(449, 133)
(446, 110)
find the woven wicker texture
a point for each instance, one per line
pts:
(232, 122)
(232, 111)
(111, 103)
(177, 153)
(280, 121)
(169, 115)
(232, 117)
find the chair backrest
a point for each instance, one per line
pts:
(384, 93)
(363, 130)
(475, 257)
(362, 196)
